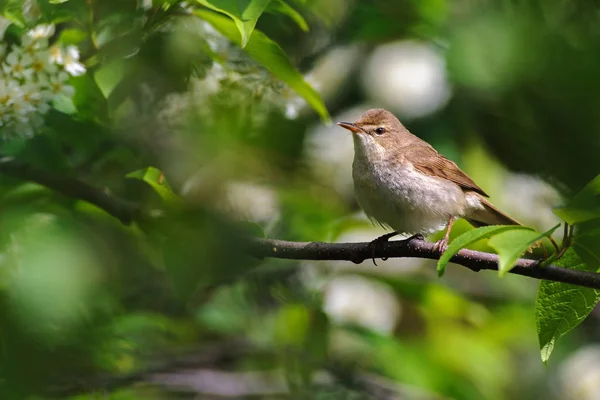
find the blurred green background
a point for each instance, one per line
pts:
(173, 308)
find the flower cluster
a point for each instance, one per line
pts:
(239, 70)
(32, 76)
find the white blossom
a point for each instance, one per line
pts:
(71, 61)
(18, 65)
(58, 85)
(41, 32)
(32, 76)
(42, 64)
(56, 55)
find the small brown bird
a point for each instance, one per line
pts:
(403, 183)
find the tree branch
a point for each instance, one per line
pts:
(127, 212)
(415, 248)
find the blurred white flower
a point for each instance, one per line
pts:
(18, 65)
(21, 108)
(145, 4)
(579, 374)
(252, 202)
(291, 111)
(536, 199)
(42, 64)
(56, 55)
(58, 85)
(407, 77)
(330, 152)
(354, 299)
(294, 104)
(71, 61)
(41, 32)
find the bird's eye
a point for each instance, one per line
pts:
(380, 130)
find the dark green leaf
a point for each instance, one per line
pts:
(560, 307)
(584, 206)
(282, 7)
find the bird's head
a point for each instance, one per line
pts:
(377, 133)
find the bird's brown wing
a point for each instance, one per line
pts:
(434, 164)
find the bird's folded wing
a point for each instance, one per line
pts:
(434, 164)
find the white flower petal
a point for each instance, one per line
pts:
(75, 68)
(42, 31)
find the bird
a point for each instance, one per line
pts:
(401, 182)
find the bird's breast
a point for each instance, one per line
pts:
(397, 195)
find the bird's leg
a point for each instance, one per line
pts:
(442, 245)
(377, 243)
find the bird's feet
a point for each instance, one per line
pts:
(378, 243)
(441, 246)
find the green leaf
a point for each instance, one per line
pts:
(108, 76)
(272, 57)
(584, 206)
(282, 7)
(244, 13)
(560, 307)
(156, 179)
(64, 104)
(470, 237)
(72, 36)
(510, 245)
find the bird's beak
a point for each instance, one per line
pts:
(350, 126)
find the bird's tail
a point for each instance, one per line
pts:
(489, 215)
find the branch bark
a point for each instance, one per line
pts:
(415, 248)
(127, 212)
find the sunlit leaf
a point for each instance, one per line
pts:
(244, 13)
(64, 104)
(156, 179)
(584, 206)
(470, 237)
(72, 36)
(510, 245)
(109, 75)
(292, 324)
(272, 57)
(560, 307)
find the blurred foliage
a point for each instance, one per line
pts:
(199, 114)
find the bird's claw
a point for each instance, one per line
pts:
(441, 246)
(377, 243)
